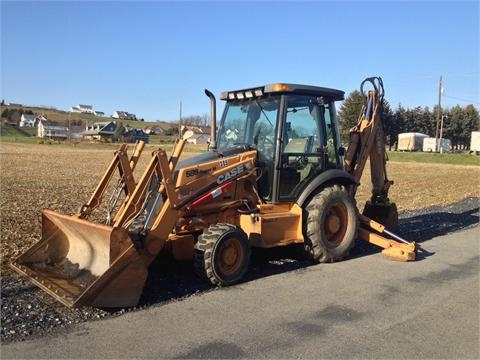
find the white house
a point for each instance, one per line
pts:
(197, 129)
(154, 130)
(82, 109)
(199, 139)
(53, 132)
(31, 120)
(195, 134)
(124, 115)
(27, 120)
(102, 130)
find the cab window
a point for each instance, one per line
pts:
(302, 155)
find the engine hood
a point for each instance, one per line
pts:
(207, 157)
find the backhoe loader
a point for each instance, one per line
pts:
(275, 174)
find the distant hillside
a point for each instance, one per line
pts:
(64, 117)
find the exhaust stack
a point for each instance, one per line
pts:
(213, 119)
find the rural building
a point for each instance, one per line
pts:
(433, 145)
(52, 132)
(134, 135)
(82, 109)
(199, 139)
(196, 134)
(411, 141)
(108, 130)
(27, 120)
(154, 130)
(475, 142)
(197, 129)
(76, 131)
(125, 115)
(98, 113)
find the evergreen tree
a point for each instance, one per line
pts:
(427, 122)
(471, 122)
(390, 126)
(458, 122)
(349, 112)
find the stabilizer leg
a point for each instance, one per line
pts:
(394, 247)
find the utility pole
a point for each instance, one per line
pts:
(69, 127)
(441, 134)
(439, 113)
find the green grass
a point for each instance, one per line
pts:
(31, 131)
(9, 131)
(13, 134)
(435, 158)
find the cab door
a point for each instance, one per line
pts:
(308, 144)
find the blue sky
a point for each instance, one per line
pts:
(146, 57)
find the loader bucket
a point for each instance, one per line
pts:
(83, 263)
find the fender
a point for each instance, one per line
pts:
(338, 176)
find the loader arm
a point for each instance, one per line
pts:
(126, 181)
(80, 262)
(158, 163)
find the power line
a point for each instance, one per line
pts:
(466, 100)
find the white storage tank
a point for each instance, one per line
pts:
(411, 141)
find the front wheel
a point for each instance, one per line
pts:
(222, 254)
(331, 224)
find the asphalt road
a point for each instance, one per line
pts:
(365, 307)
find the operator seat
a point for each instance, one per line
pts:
(295, 163)
(296, 147)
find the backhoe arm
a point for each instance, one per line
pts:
(367, 141)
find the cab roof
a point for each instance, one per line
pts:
(283, 88)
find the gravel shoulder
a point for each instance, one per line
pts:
(27, 312)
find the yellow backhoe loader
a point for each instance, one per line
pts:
(275, 174)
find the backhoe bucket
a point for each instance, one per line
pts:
(386, 214)
(83, 263)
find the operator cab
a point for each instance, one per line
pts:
(293, 128)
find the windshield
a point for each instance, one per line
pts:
(252, 122)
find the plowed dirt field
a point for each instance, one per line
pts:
(62, 178)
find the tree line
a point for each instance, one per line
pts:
(14, 115)
(458, 122)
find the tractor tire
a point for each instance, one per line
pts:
(222, 254)
(331, 224)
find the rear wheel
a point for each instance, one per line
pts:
(222, 254)
(331, 224)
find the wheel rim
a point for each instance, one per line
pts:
(230, 256)
(336, 223)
